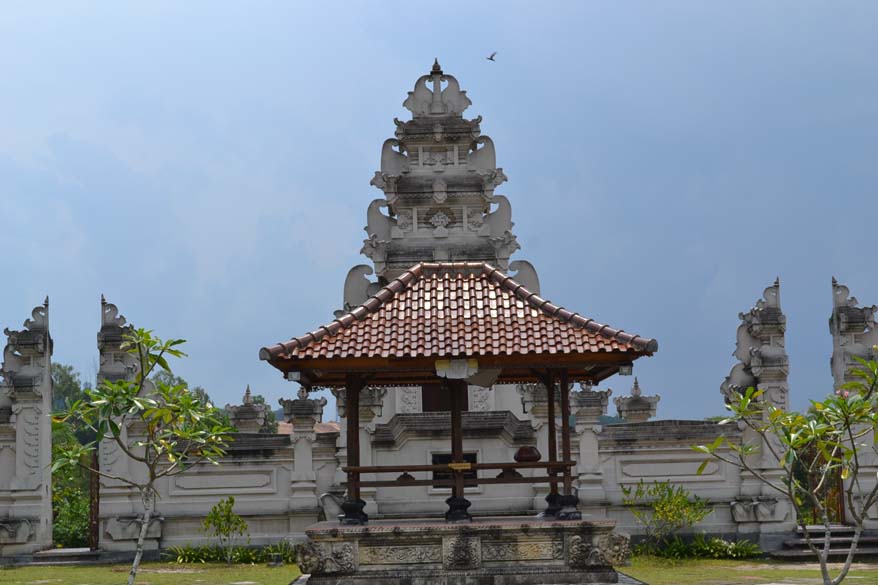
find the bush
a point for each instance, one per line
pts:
(663, 509)
(701, 547)
(70, 497)
(241, 555)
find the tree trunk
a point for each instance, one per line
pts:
(144, 527)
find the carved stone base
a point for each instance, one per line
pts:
(495, 551)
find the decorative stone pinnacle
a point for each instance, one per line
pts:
(437, 69)
(248, 396)
(635, 390)
(635, 407)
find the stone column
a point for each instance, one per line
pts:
(303, 413)
(588, 406)
(26, 437)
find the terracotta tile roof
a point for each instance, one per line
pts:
(456, 309)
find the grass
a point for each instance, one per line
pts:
(657, 571)
(651, 570)
(151, 574)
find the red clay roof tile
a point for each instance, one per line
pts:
(446, 309)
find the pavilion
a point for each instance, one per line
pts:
(458, 323)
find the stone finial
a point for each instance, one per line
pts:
(424, 101)
(26, 355)
(249, 416)
(303, 407)
(635, 407)
(588, 405)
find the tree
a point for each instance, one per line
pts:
(178, 430)
(831, 439)
(70, 493)
(67, 386)
(225, 525)
(270, 424)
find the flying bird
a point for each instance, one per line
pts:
(491, 58)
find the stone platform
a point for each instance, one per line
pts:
(487, 551)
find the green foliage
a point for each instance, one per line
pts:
(176, 430)
(188, 554)
(701, 547)
(223, 524)
(70, 494)
(812, 449)
(270, 424)
(67, 386)
(168, 378)
(663, 509)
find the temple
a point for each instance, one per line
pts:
(473, 437)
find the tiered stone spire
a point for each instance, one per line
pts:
(635, 407)
(247, 417)
(438, 177)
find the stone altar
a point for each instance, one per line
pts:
(488, 551)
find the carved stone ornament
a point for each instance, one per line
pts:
(15, 530)
(757, 509)
(404, 220)
(461, 552)
(24, 368)
(400, 555)
(314, 559)
(609, 550)
(424, 101)
(854, 333)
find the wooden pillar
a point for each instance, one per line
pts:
(457, 504)
(568, 501)
(353, 504)
(553, 506)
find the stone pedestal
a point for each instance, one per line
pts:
(495, 551)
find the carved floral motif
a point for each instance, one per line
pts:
(461, 552)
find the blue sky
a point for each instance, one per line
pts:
(206, 165)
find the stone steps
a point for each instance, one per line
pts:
(837, 554)
(796, 549)
(66, 556)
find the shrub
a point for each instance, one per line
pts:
(188, 554)
(663, 509)
(701, 547)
